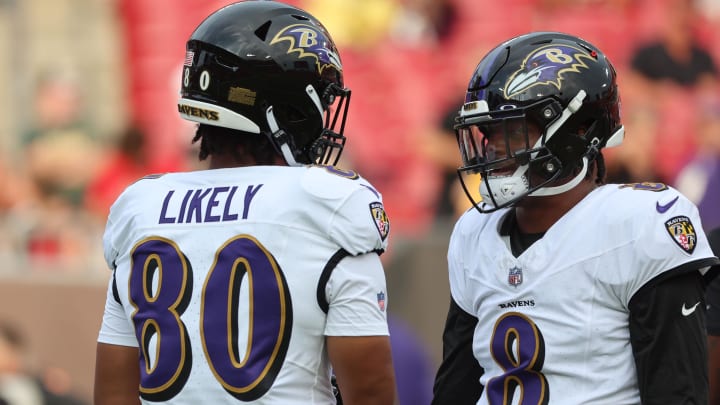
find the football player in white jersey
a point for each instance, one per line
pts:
(566, 290)
(256, 281)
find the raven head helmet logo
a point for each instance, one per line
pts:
(310, 41)
(549, 65)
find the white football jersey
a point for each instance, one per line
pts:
(553, 322)
(223, 279)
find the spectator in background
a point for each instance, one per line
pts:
(414, 369)
(419, 22)
(126, 163)
(393, 54)
(699, 180)
(18, 384)
(61, 157)
(636, 161)
(16, 191)
(676, 55)
(671, 69)
(356, 24)
(16, 198)
(61, 153)
(439, 145)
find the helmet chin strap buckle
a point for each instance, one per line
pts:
(593, 149)
(547, 191)
(552, 165)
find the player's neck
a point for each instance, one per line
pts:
(538, 214)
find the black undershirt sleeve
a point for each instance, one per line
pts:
(667, 333)
(458, 378)
(712, 296)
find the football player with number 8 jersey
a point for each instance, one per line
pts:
(258, 280)
(564, 289)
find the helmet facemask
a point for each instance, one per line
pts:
(510, 152)
(329, 146)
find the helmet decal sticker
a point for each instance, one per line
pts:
(242, 96)
(186, 77)
(547, 65)
(309, 41)
(189, 56)
(204, 80)
(202, 113)
(682, 232)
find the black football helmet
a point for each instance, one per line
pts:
(538, 110)
(265, 67)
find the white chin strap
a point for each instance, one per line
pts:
(507, 188)
(545, 191)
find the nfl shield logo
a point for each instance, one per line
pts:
(381, 300)
(515, 276)
(381, 219)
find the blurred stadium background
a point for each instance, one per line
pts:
(88, 105)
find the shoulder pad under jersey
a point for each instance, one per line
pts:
(358, 223)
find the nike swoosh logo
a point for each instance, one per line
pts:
(663, 208)
(688, 311)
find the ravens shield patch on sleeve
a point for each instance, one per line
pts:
(381, 219)
(682, 232)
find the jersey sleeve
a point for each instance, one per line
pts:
(357, 298)
(356, 218)
(669, 238)
(456, 268)
(712, 298)
(112, 226)
(712, 294)
(109, 250)
(361, 224)
(667, 332)
(119, 223)
(116, 328)
(458, 377)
